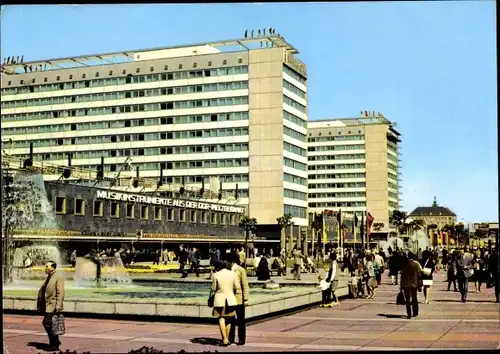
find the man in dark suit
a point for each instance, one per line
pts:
(464, 272)
(50, 302)
(410, 283)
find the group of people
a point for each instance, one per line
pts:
(229, 296)
(479, 266)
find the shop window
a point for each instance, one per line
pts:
(130, 211)
(170, 214)
(223, 219)
(79, 206)
(98, 208)
(157, 213)
(204, 217)
(60, 205)
(182, 215)
(115, 210)
(213, 218)
(144, 212)
(194, 216)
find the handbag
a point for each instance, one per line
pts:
(210, 301)
(426, 271)
(400, 299)
(58, 327)
(374, 284)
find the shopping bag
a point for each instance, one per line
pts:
(210, 301)
(400, 299)
(58, 326)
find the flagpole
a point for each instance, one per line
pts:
(354, 229)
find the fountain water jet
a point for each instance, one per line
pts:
(91, 271)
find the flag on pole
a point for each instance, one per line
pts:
(354, 226)
(369, 222)
(362, 229)
(325, 235)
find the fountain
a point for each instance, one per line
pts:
(395, 242)
(421, 240)
(25, 206)
(92, 271)
(38, 254)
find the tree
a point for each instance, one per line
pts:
(378, 226)
(398, 220)
(284, 222)
(248, 224)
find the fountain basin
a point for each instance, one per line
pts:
(187, 299)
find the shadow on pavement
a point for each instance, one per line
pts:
(37, 345)
(458, 300)
(206, 341)
(386, 315)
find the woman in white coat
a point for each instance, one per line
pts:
(224, 285)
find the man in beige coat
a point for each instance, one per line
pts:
(50, 302)
(242, 295)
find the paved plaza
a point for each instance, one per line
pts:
(356, 324)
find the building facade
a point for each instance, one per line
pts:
(434, 215)
(354, 166)
(235, 110)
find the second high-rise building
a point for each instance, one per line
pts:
(354, 166)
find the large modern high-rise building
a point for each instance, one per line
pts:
(234, 109)
(354, 166)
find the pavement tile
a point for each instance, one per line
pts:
(326, 341)
(284, 339)
(379, 343)
(465, 345)
(408, 336)
(471, 337)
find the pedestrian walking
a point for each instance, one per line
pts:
(224, 286)
(452, 271)
(297, 262)
(50, 303)
(464, 272)
(428, 268)
(182, 257)
(242, 296)
(411, 283)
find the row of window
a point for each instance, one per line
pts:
(292, 103)
(183, 134)
(340, 132)
(337, 185)
(146, 152)
(157, 106)
(391, 147)
(294, 119)
(393, 185)
(288, 193)
(324, 139)
(142, 212)
(235, 70)
(295, 164)
(337, 175)
(337, 195)
(336, 147)
(294, 134)
(295, 211)
(336, 157)
(393, 205)
(292, 88)
(294, 75)
(127, 123)
(337, 204)
(336, 167)
(295, 179)
(393, 195)
(225, 86)
(294, 149)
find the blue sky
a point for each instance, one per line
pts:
(431, 67)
